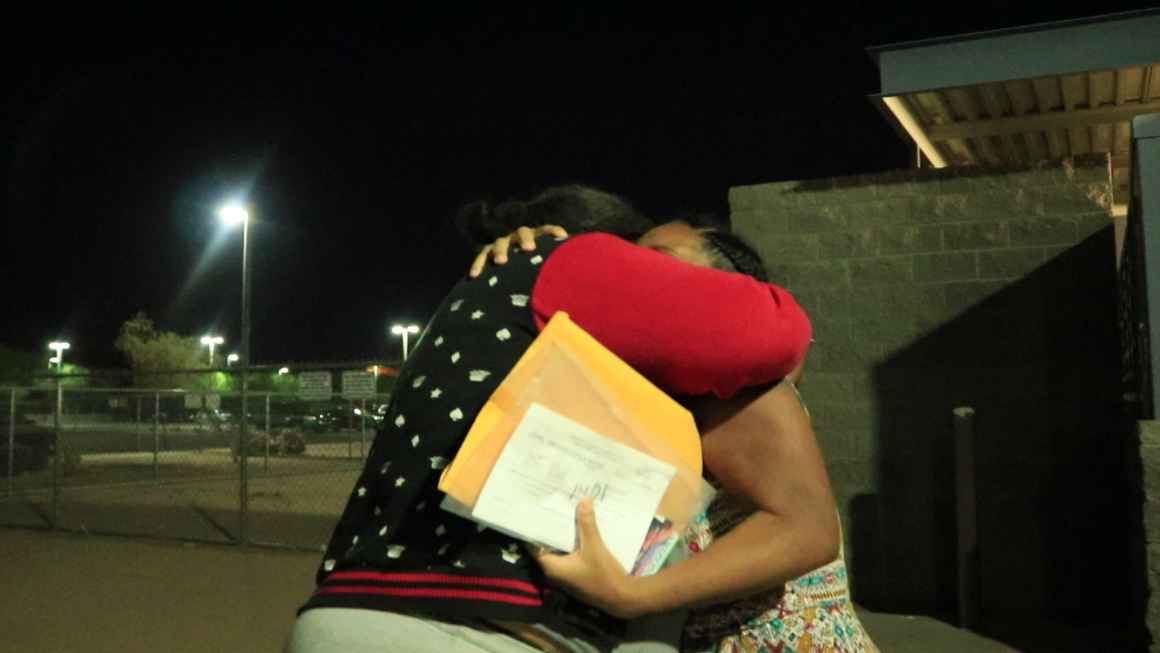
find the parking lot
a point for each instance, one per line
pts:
(193, 494)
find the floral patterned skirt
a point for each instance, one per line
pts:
(810, 613)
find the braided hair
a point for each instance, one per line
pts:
(732, 254)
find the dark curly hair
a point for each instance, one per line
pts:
(576, 207)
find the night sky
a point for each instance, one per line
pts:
(355, 139)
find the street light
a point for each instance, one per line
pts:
(232, 215)
(59, 348)
(211, 342)
(283, 371)
(401, 330)
(231, 359)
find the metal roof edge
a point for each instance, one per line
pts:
(875, 51)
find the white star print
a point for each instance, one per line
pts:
(438, 462)
(537, 259)
(421, 506)
(400, 420)
(519, 300)
(395, 551)
(383, 531)
(378, 511)
(436, 393)
(478, 375)
(492, 281)
(439, 341)
(459, 564)
(455, 357)
(443, 549)
(511, 554)
(456, 304)
(476, 315)
(384, 468)
(440, 530)
(362, 491)
(456, 415)
(328, 565)
(415, 441)
(354, 541)
(399, 481)
(418, 381)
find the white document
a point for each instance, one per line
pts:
(549, 464)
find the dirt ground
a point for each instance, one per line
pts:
(193, 495)
(134, 592)
(70, 593)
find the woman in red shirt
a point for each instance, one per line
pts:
(774, 578)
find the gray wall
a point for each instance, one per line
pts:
(931, 289)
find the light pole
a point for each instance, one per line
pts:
(231, 359)
(233, 215)
(401, 330)
(59, 348)
(211, 342)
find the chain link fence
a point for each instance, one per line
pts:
(169, 463)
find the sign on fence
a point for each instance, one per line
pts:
(313, 386)
(197, 401)
(357, 384)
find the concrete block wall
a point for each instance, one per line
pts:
(930, 289)
(1146, 478)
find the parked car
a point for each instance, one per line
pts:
(281, 442)
(326, 420)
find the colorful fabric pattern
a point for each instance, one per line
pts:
(811, 613)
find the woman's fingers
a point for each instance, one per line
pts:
(480, 261)
(554, 230)
(524, 236)
(499, 249)
(527, 238)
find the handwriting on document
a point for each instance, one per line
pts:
(550, 463)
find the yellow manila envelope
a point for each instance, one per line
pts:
(569, 372)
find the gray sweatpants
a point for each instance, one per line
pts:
(350, 630)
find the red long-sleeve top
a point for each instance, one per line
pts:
(711, 331)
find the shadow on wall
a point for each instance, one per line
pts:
(1039, 361)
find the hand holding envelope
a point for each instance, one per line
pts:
(571, 420)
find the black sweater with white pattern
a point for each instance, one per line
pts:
(394, 548)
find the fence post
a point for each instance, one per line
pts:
(58, 451)
(966, 522)
(267, 464)
(11, 441)
(156, 433)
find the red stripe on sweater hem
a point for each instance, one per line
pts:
(432, 593)
(447, 579)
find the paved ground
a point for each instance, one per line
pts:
(93, 594)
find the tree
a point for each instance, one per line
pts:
(155, 355)
(17, 367)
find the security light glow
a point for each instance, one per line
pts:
(233, 214)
